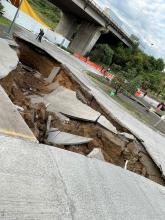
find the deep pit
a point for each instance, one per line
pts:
(29, 79)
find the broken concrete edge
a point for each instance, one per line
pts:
(155, 161)
(97, 154)
(114, 118)
(70, 74)
(126, 135)
(89, 92)
(10, 42)
(53, 74)
(11, 132)
(38, 45)
(138, 138)
(105, 123)
(66, 138)
(78, 119)
(118, 121)
(9, 58)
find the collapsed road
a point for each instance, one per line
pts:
(47, 91)
(43, 182)
(153, 141)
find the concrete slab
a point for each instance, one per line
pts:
(65, 101)
(53, 74)
(62, 118)
(11, 122)
(51, 87)
(8, 59)
(96, 153)
(107, 124)
(43, 182)
(128, 136)
(12, 44)
(63, 138)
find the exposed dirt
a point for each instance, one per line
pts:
(35, 58)
(18, 85)
(24, 81)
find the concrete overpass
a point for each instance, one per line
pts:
(83, 22)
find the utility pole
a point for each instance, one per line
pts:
(10, 31)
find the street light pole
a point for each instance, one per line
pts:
(13, 22)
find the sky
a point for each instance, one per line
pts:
(145, 19)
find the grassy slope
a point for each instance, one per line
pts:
(48, 12)
(4, 21)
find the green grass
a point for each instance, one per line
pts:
(132, 110)
(48, 12)
(4, 21)
(105, 86)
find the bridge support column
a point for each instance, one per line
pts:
(67, 25)
(85, 38)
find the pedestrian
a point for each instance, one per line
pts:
(40, 35)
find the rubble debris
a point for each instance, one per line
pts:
(64, 100)
(128, 136)
(107, 124)
(125, 166)
(113, 147)
(53, 74)
(63, 138)
(8, 59)
(62, 117)
(52, 86)
(97, 154)
(19, 108)
(48, 124)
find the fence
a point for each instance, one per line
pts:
(32, 25)
(94, 65)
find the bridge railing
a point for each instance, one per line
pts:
(114, 23)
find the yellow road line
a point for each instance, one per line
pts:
(15, 134)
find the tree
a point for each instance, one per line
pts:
(117, 83)
(134, 66)
(102, 54)
(135, 40)
(1, 9)
(151, 80)
(134, 85)
(121, 84)
(160, 64)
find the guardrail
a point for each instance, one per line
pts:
(108, 17)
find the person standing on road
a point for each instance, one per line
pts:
(40, 35)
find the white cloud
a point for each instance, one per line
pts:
(145, 18)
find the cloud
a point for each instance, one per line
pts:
(144, 18)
